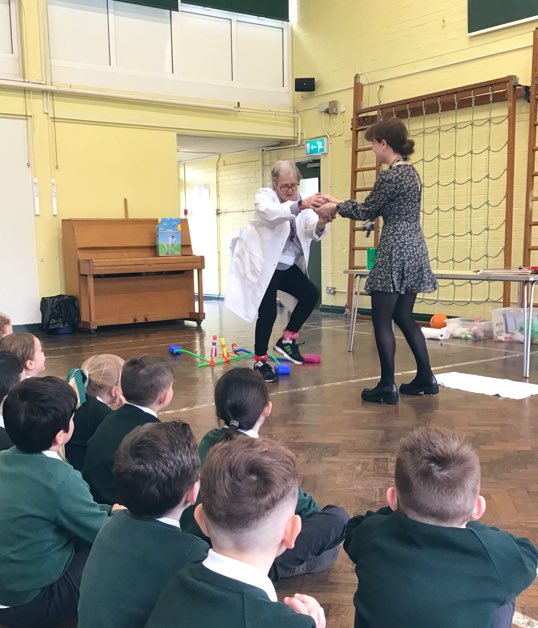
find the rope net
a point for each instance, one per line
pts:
(461, 155)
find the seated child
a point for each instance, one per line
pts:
(48, 517)
(102, 380)
(157, 472)
(147, 385)
(249, 492)
(28, 349)
(6, 327)
(425, 560)
(242, 405)
(10, 374)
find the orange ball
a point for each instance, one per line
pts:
(438, 321)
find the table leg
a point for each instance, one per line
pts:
(527, 312)
(354, 309)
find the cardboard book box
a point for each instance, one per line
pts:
(169, 236)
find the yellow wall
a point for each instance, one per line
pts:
(105, 147)
(101, 149)
(412, 48)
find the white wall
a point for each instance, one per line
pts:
(19, 294)
(194, 53)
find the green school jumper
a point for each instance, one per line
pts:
(197, 597)
(102, 447)
(45, 506)
(130, 562)
(306, 504)
(87, 419)
(415, 575)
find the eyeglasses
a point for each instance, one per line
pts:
(288, 187)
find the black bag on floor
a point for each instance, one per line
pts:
(59, 312)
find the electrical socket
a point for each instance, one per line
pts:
(330, 290)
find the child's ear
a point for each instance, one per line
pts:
(191, 494)
(392, 498)
(29, 365)
(199, 517)
(291, 531)
(267, 410)
(479, 508)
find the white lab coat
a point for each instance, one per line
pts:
(256, 254)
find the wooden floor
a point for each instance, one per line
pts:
(345, 448)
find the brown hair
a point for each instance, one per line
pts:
(4, 322)
(104, 372)
(240, 397)
(154, 466)
(395, 133)
(437, 476)
(22, 344)
(144, 378)
(244, 480)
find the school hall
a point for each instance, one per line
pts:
(135, 111)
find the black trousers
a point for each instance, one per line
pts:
(294, 282)
(321, 532)
(56, 605)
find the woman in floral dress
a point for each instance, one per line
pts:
(402, 267)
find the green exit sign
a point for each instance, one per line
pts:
(317, 146)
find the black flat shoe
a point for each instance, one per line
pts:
(421, 387)
(381, 394)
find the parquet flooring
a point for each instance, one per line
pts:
(345, 448)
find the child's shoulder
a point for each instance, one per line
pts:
(211, 438)
(214, 434)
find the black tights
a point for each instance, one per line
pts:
(392, 306)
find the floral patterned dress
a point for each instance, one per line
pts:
(402, 263)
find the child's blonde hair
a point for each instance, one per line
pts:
(104, 372)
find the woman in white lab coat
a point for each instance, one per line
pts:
(273, 256)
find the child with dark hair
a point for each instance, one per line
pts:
(242, 405)
(147, 385)
(157, 471)
(249, 492)
(28, 349)
(48, 517)
(425, 560)
(10, 375)
(6, 327)
(102, 375)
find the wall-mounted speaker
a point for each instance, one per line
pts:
(305, 84)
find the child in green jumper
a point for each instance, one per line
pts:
(425, 560)
(242, 405)
(48, 518)
(249, 492)
(157, 470)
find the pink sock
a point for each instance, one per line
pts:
(261, 358)
(289, 336)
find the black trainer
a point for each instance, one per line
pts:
(289, 350)
(266, 371)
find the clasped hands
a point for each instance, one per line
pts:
(324, 205)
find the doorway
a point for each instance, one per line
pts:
(310, 184)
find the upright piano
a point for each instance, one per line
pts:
(112, 266)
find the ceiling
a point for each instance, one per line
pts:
(196, 146)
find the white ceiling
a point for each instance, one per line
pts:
(196, 146)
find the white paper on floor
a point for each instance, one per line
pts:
(487, 385)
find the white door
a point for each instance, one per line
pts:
(203, 230)
(19, 291)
